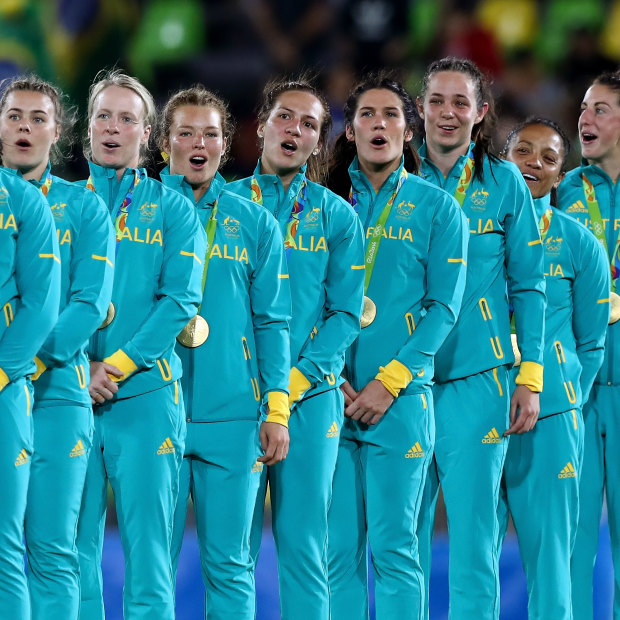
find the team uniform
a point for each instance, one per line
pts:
(602, 423)
(226, 381)
(472, 394)
(62, 415)
(139, 435)
(29, 294)
(417, 283)
(323, 246)
(541, 473)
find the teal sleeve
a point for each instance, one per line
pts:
(525, 272)
(591, 289)
(91, 284)
(445, 284)
(37, 276)
(344, 290)
(180, 283)
(270, 298)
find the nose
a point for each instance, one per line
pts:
(586, 115)
(199, 140)
(446, 111)
(293, 127)
(24, 126)
(379, 121)
(534, 161)
(112, 125)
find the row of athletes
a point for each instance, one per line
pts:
(278, 273)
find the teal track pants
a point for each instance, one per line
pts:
(471, 416)
(377, 492)
(220, 473)
(540, 488)
(301, 490)
(600, 474)
(62, 440)
(16, 446)
(138, 447)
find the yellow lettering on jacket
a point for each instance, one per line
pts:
(400, 233)
(66, 236)
(240, 255)
(312, 245)
(483, 227)
(10, 222)
(151, 237)
(554, 271)
(616, 224)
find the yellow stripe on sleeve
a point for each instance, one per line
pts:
(358, 266)
(535, 242)
(50, 256)
(283, 276)
(104, 258)
(603, 301)
(184, 253)
(457, 260)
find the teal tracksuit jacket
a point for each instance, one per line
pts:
(139, 435)
(602, 424)
(472, 393)
(417, 285)
(546, 462)
(62, 417)
(29, 296)
(246, 301)
(326, 282)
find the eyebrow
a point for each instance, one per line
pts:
(14, 109)
(283, 107)
(195, 127)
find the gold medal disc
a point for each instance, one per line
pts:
(515, 349)
(614, 307)
(109, 317)
(369, 312)
(194, 333)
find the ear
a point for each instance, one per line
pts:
(165, 145)
(419, 106)
(146, 134)
(408, 135)
(318, 147)
(482, 113)
(560, 178)
(57, 136)
(349, 133)
(260, 131)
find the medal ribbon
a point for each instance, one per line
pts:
(465, 178)
(301, 200)
(598, 228)
(210, 227)
(544, 223)
(372, 249)
(45, 187)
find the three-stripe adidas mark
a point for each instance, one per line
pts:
(568, 471)
(492, 437)
(78, 449)
(333, 430)
(22, 458)
(415, 452)
(167, 447)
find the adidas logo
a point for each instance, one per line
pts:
(577, 207)
(568, 471)
(22, 458)
(415, 452)
(333, 430)
(257, 467)
(166, 448)
(492, 437)
(78, 449)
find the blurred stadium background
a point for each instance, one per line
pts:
(541, 55)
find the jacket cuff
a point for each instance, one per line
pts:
(531, 376)
(278, 408)
(394, 376)
(41, 368)
(4, 379)
(298, 384)
(123, 362)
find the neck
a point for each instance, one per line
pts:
(610, 165)
(201, 190)
(377, 174)
(445, 159)
(285, 176)
(31, 174)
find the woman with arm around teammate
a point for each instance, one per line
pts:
(416, 242)
(139, 415)
(474, 413)
(546, 462)
(591, 194)
(243, 358)
(323, 248)
(32, 117)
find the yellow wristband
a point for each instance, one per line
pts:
(4, 379)
(531, 376)
(41, 368)
(394, 376)
(123, 362)
(297, 385)
(278, 408)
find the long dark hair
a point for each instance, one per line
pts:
(611, 79)
(344, 151)
(545, 122)
(274, 89)
(483, 131)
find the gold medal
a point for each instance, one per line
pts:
(515, 349)
(109, 317)
(369, 312)
(614, 307)
(194, 333)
